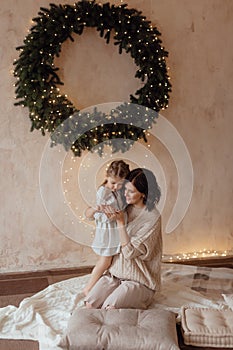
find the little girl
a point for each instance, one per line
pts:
(106, 241)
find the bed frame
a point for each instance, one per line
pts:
(83, 270)
(208, 262)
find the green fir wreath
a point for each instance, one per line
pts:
(37, 85)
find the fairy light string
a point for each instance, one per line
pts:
(198, 255)
(37, 85)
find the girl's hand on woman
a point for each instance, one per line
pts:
(109, 211)
(119, 217)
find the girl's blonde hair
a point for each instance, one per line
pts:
(118, 168)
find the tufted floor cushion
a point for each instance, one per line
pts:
(123, 329)
(207, 327)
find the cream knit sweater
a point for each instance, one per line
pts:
(140, 259)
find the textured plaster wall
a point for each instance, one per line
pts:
(198, 36)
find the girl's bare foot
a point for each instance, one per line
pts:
(88, 306)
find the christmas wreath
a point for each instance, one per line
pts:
(37, 85)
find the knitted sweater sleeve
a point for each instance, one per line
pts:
(140, 259)
(144, 244)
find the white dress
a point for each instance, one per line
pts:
(106, 241)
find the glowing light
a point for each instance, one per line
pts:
(197, 255)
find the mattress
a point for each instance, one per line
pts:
(45, 315)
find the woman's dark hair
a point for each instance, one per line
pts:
(146, 183)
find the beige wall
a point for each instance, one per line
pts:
(198, 36)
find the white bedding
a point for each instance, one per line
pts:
(44, 316)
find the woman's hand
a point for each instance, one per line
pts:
(109, 211)
(113, 214)
(120, 218)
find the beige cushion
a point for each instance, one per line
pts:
(207, 327)
(123, 329)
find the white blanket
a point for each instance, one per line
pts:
(44, 316)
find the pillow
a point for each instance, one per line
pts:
(125, 329)
(228, 299)
(207, 327)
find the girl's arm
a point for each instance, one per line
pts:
(100, 198)
(90, 212)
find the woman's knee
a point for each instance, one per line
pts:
(101, 291)
(115, 300)
(129, 295)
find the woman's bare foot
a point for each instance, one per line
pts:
(110, 307)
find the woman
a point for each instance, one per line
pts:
(134, 275)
